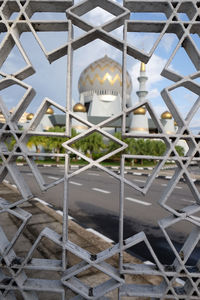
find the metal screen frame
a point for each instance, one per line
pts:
(16, 266)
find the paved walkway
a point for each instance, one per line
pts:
(42, 217)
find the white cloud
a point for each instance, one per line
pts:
(168, 41)
(153, 70)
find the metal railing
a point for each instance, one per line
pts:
(172, 24)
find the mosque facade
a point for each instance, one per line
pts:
(100, 97)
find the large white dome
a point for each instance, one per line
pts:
(104, 77)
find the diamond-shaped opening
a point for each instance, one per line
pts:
(96, 145)
(91, 145)
(97, 16)
(88, 7)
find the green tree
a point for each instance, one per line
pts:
(180, 150)
(91, 145)
(54, 143)
(36, 141)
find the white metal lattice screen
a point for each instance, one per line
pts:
(11, 30)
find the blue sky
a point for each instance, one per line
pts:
(50, 79)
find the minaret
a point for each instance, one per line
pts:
(139, 122)
(142, 93)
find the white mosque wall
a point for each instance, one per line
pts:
(168, 125)
(139, 124)
(78, 126)
(105, 105)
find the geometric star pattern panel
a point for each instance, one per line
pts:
(13, 269)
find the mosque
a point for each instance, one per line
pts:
(100, 97)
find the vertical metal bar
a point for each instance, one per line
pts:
(69, 78)
(65, 211)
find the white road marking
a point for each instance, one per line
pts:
(100, 235)
(52, 177)
(140, 180)
(137, 174)
(100, 190)
(147, 262)
(176, 187)
(138, 201)
(93, 174)
(42, 201)
(75, 183)
(61, 213)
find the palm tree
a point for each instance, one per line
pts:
(36, 141)
(91, 145)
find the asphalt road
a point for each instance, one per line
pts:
(94, 202)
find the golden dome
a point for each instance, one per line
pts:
(166, 115)
(50, 111)
(78, 107)
(140, 111)
(103, 76)
(29, 117)
(175, 124)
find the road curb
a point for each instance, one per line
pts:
(55, 213)
(116, 169)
